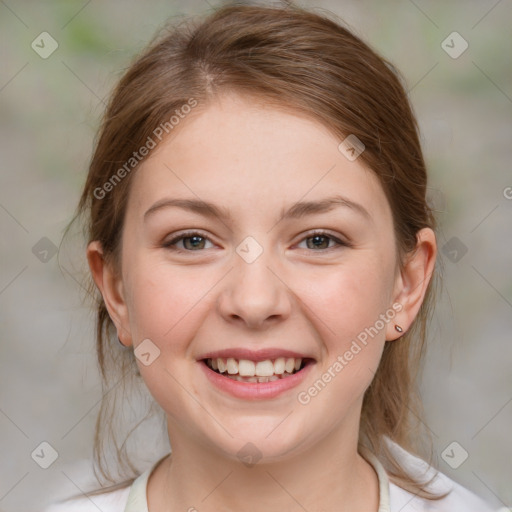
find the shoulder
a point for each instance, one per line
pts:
(111, 501)
(458, 499)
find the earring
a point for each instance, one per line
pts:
(398, 328)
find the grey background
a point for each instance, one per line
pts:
(49, 112)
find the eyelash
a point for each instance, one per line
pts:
(189, 234)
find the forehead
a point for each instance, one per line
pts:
(253, 157)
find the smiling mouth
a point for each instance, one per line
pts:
(244, 370)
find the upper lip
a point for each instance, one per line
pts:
(253, 355)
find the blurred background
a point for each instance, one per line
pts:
(59, 61)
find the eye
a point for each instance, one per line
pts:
(195, 241)
(192, 241)
(321, 239)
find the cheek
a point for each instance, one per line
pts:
(346, 299)
(347, 304)
(167, 306)
(355, 309)
(164, 302)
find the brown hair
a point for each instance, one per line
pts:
(297, 59)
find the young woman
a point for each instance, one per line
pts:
(260, 238)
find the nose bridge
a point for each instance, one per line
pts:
(254, 294)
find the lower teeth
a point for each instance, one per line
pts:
(272, 378)
(255, 378)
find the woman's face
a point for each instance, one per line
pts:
(253, 282)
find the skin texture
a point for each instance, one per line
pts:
(314, 299)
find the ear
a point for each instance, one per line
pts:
(412, 281)
(111, 287)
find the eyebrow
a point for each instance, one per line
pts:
(297, 210)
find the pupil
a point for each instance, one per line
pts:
(195, 238)
(319, 237)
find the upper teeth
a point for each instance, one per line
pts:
(247, 368)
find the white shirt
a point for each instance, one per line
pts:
(391, 497)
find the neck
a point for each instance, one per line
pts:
(329, 475)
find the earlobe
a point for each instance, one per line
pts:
(412, 282)
(110, 285)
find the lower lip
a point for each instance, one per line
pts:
(255, 390)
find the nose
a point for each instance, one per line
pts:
(254, 294)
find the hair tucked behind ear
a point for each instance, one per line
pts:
(296, 59)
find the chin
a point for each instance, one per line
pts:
(257, 445)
